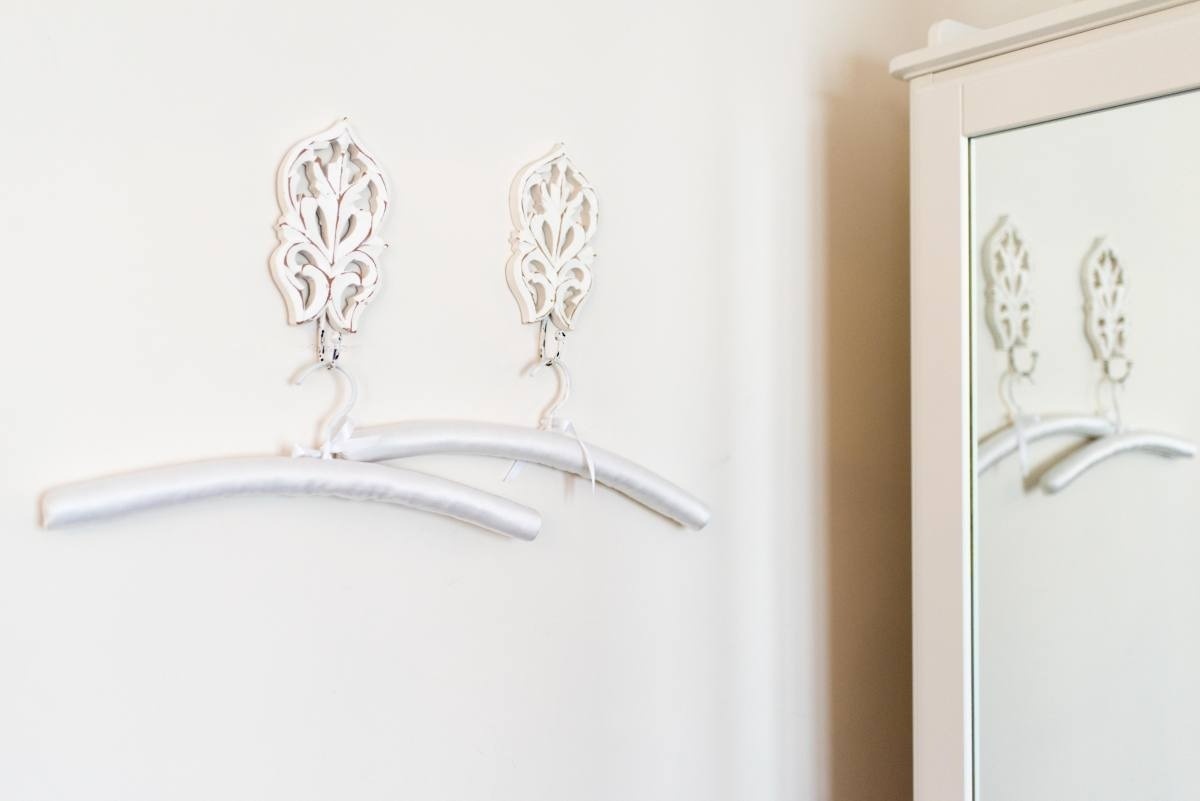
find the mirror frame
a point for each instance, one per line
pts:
(1087, 57)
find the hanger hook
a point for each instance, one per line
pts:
(1008, 394)
(341, 415)
(561, 397)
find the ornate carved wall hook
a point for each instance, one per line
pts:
(554, 213)
(332, 200)
(1107, 326)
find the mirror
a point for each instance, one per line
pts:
(1087, 599)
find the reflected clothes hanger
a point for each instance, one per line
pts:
(333, 197)
(1009, 313)
(1104, 288)
(555, 213)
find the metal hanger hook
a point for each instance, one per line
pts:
(559, 338)
(1117, 369)
(329, 346)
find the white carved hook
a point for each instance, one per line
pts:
(332, 201)
(1009, 312)
(554, 215)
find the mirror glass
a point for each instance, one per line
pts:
(1086, 541)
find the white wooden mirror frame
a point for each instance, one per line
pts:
(1086, 57)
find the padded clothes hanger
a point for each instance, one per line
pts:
(333, 198)
(554, 213)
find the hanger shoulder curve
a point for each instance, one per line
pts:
(121, 494)
(1004, 442)
(1101, 450)
(551, 449)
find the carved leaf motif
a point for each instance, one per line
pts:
(1104, 287)
(1009, 292)
(332, 199)
(555, 213)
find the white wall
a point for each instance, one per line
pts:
(747, 337)
(1087, 600)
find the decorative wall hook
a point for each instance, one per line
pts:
(1105, 323)
(1009, 310)
(1008, 277)
(332, 201)
(1106, 327)
(333, 197)
(554, 215)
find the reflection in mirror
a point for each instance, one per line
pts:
(1085, 540)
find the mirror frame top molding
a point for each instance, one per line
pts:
(1084, 57)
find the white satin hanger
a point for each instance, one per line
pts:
(554, 213)
(333, 197)
(1104, 286)
(1009, 312)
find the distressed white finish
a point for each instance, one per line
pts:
(554, 214)
(1106, 324)
(1008, 274)
(549, 448)
(332, 200)
(113, 496)
(1013, 76)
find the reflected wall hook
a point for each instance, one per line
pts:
(1106, 327)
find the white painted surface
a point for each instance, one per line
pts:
(1087, 600)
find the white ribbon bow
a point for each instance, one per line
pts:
(331, 446)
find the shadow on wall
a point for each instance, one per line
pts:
(866, 402)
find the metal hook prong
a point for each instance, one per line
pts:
(1109, 372)
(544, 343)
(1019, 353)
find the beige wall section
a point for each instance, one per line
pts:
(747, 336)
(859, 425)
